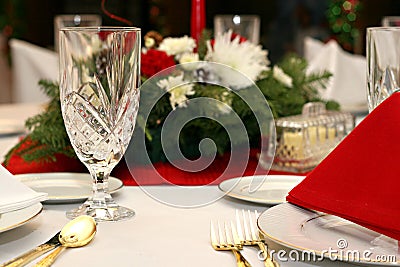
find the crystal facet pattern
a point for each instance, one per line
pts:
(99, 85)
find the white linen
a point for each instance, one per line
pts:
(158, 235)
(348, 86)
(31, 63)
(15, 195)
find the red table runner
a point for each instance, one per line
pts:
(156, 174)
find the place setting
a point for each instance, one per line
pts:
(346, 208)
(19, 203)
(205, 149)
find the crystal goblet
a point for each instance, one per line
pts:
(383, 64)
(99, 92)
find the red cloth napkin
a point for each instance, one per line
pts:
(360, 179)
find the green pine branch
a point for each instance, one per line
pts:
(47, 136)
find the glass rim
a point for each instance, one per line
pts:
(101, 28)
(383, 28)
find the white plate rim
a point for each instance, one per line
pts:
(273, 178)
(304, 216)
(14, 127)
(115, 184)
(31, 212)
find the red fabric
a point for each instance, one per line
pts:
(359, 180)
(17, 165)
(163, 173)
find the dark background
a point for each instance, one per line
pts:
(282, 21)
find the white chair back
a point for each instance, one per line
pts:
(31, 63)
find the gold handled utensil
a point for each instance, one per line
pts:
(248, 236)
(32, 254)
(225, 242)
(77, 233)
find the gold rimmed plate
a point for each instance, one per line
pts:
(9, 127)
(16, 218)
(65, 187)
(262, 189)
(326, 237)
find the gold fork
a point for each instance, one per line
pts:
(225, 242)
(248, 237)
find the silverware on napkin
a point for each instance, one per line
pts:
(32, 254)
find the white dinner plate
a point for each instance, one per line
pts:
(13, 219)
(326, 236)
(65, 187)
(264, 189)
(8, 127)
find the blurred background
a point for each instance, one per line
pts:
(283, 23)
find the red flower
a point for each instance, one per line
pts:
(154, 61)
(234, 35)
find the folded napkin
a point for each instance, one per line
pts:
(31, 63)
(348, 83)
(360, 179)
(15, 195)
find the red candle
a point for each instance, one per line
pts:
(198, 19)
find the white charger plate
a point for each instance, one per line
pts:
(13, 219)
(263, 189)
(65, 187)
(305, 230)
(8, 127)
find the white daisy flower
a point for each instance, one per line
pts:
(282, 77)
(178, 90)
(177, 46)
(245, 57)
(189, 58)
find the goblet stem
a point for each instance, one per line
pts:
(101, 206)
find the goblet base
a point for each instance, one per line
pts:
(101, 214)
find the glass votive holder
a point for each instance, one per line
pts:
(247, 26)
(74, 20)
(303, 141)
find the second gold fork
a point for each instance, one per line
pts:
(225, 242)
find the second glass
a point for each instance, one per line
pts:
(383, 63)
(99, 85)
(247, 26)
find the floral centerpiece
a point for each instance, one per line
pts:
(286, 86)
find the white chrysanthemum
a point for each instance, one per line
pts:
(189, 58)
(225, 105)
(178, 90)
(94, 46)
(245, 57)
(177, 46)
(282, 77)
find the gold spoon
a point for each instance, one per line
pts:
(76, 233)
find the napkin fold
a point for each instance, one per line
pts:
(31, 63)
(14, 195)
(360, 179)
(348, 83)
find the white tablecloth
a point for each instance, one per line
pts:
(159, 235)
